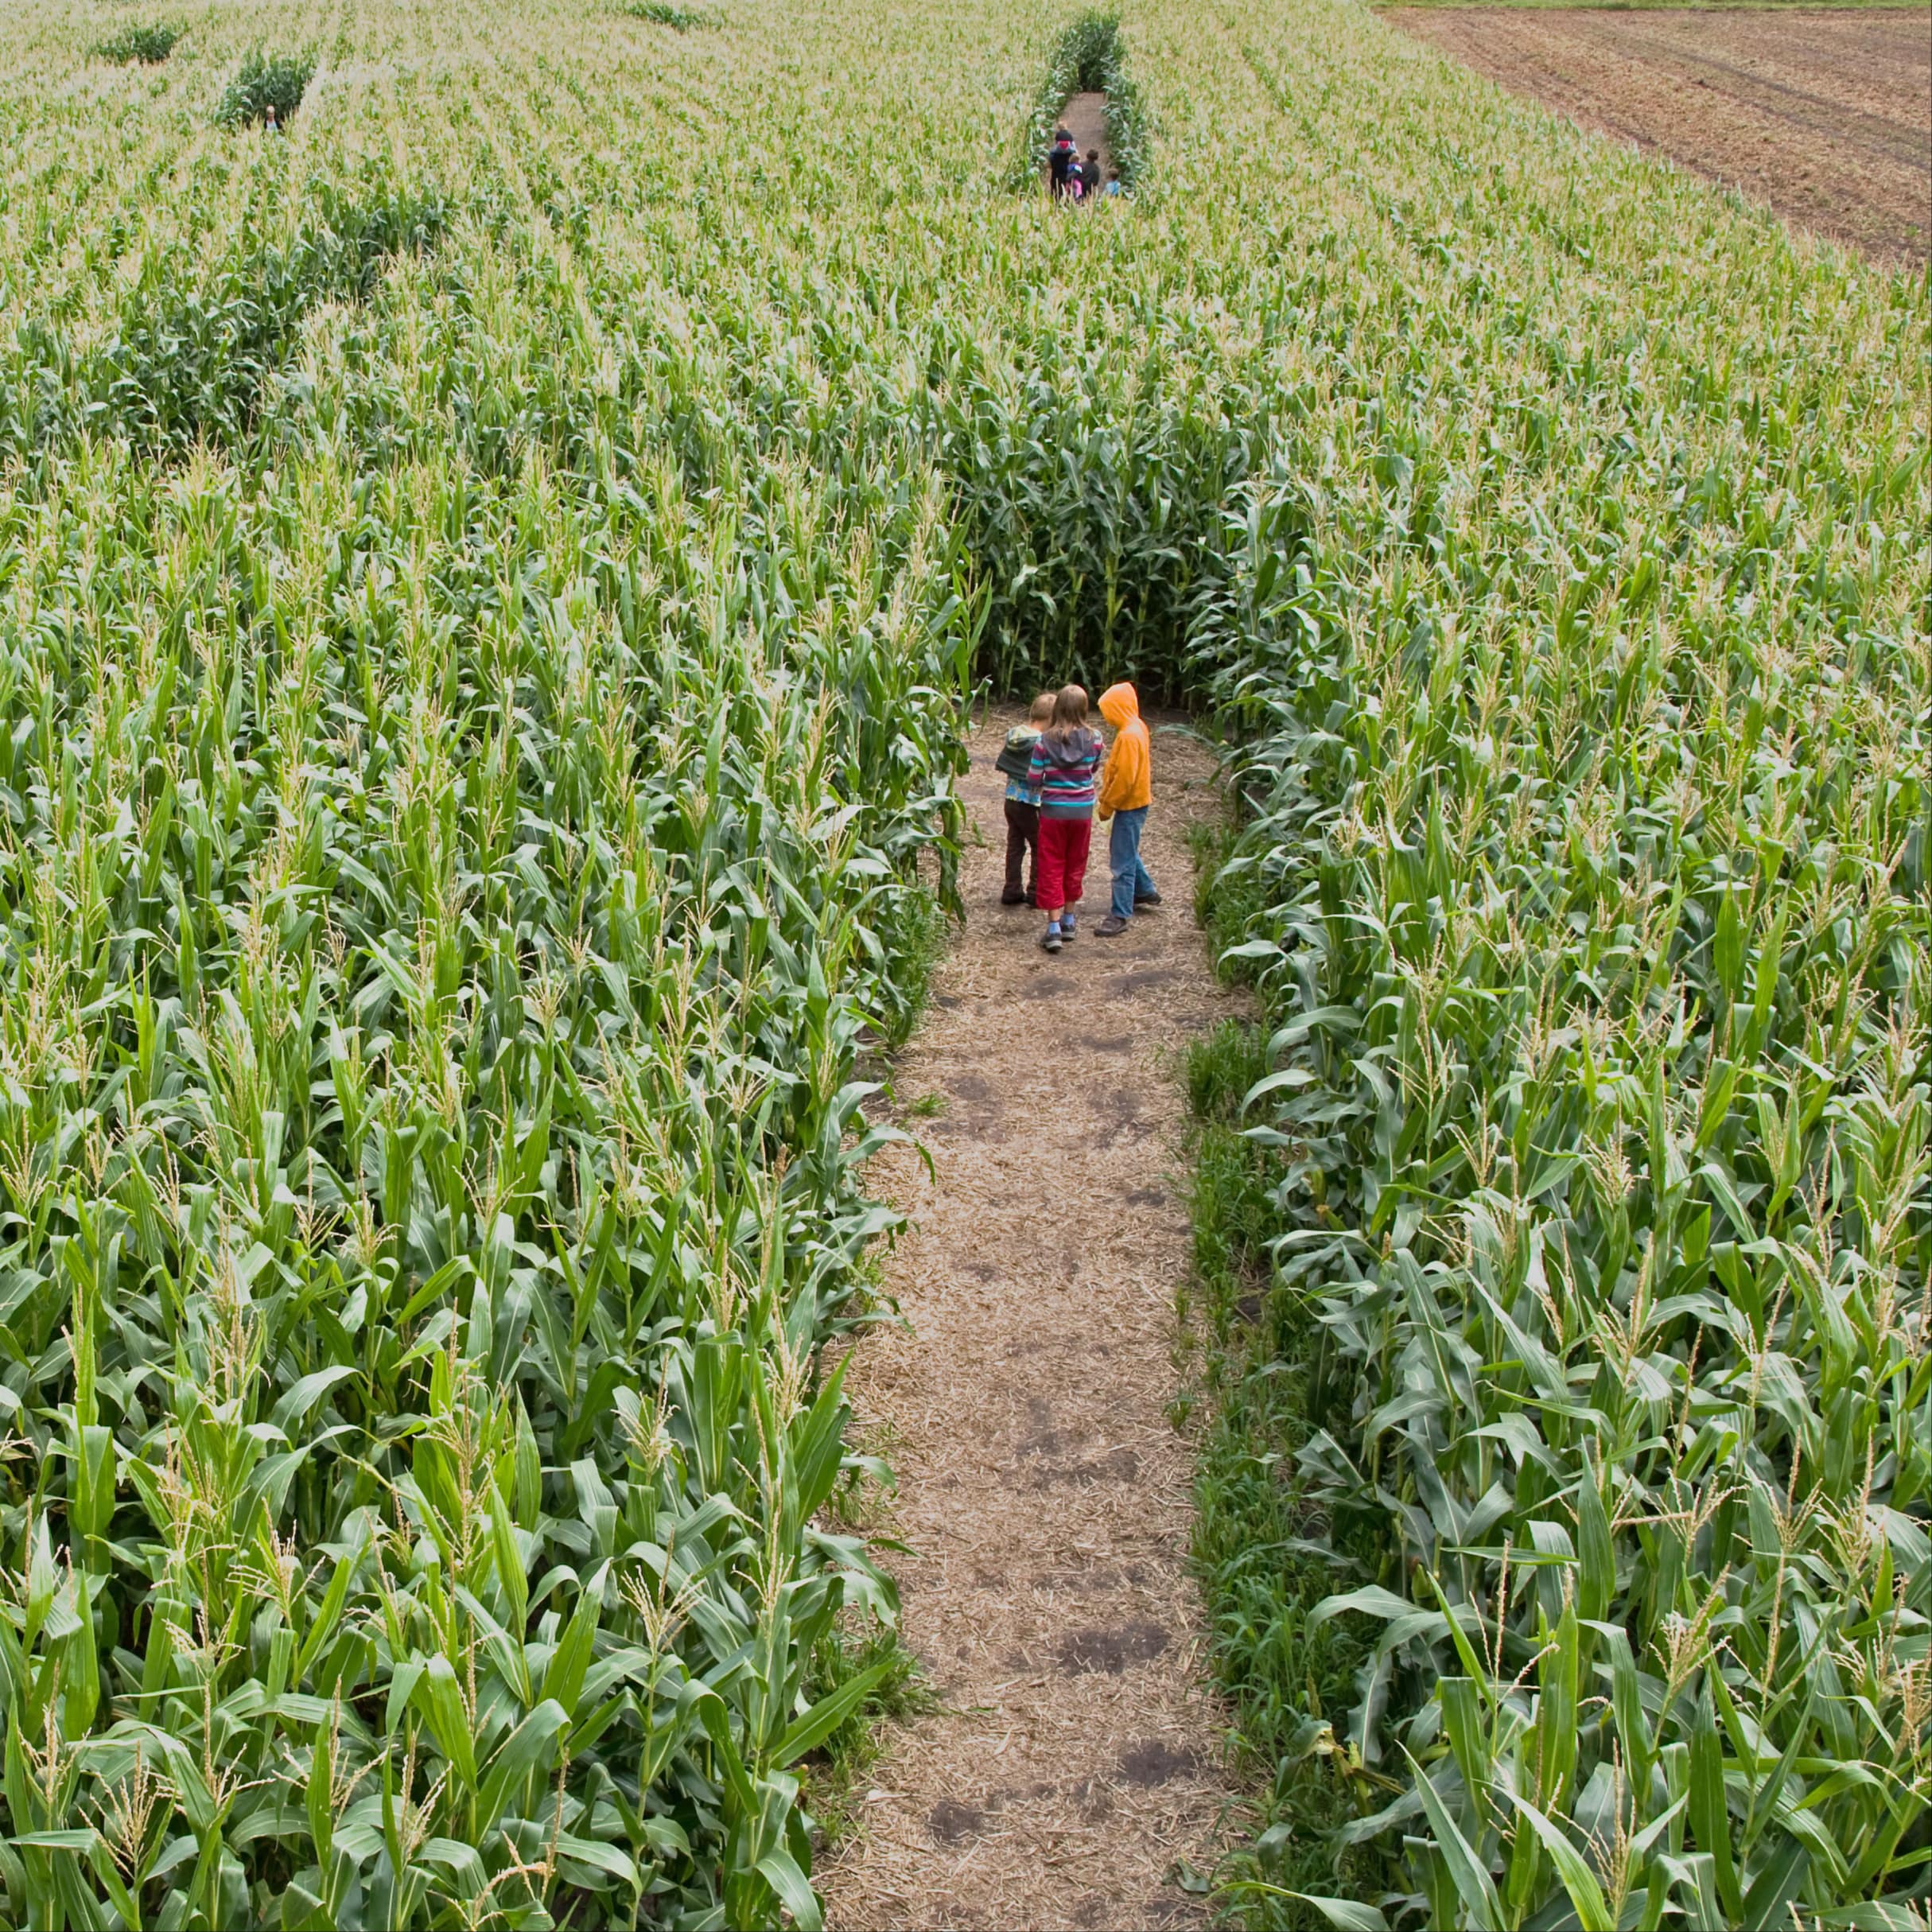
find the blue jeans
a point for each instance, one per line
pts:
(1130, 877)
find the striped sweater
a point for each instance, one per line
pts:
(1064, 771)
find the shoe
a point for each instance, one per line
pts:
(1050, 939)
(1013, 896)
(1147, 898)
(1111, 926)
(1067, 926)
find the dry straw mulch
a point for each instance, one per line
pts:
(1043, 1489)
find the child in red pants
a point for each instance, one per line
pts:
(1065, 768)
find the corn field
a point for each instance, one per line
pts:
(490, 579)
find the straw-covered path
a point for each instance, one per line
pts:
(1042, 1491)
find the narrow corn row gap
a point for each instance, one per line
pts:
(1084, 121)
(1072, 1775)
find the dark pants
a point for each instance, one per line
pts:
(1022, 845)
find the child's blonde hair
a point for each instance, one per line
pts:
(1041, 712)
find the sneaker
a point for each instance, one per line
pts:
(1112, 925)
(1013, 896)
(1147, 898)
(1050, 939)
(1067, 926)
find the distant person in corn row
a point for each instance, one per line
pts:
(1126, 790)
(1016, 759)
(1065, 763)
(1061, 157)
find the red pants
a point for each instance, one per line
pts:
(1061, 870)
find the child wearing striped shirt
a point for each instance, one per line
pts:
(1065, 768)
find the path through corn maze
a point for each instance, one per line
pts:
(493, 577)
(1085, 117)
(1043, 1492)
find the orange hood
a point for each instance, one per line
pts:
(1127, 784)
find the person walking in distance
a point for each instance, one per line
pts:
(1126, 790)
(1065, 761)
(1060, 156)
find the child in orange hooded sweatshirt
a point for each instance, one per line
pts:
(1126, 790)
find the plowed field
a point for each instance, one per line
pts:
(1827, 116)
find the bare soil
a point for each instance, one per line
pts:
(1043, 1493)
(1826, 115)
(1085, 117)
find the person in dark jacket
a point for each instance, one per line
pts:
(1060, 156)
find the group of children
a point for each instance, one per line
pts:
(1059, 773)
(1074, 179)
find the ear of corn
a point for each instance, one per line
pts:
(488, 596)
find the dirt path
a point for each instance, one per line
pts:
(1085, 117)
(1042, 1490)
(1825, 115)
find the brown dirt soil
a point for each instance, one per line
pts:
(1043, 1492)
(1085, 117)
(1825, 115)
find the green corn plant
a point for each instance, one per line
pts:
(1626, 1114)
(664, 13)
(488, 600)
(262, 81)
(414, 1618)
(150, 45)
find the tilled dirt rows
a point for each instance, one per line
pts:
(1043, 1492)
(1825, 115)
